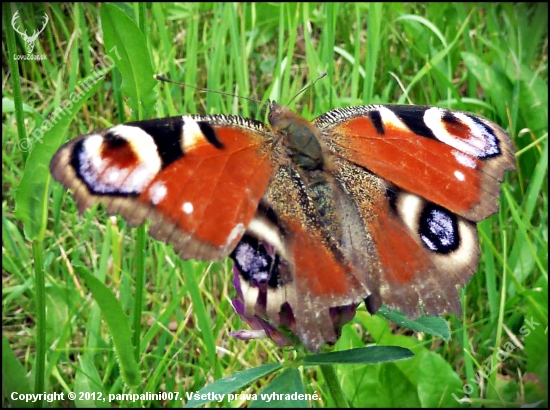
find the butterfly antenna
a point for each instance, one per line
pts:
(206, 90)
(323, 74)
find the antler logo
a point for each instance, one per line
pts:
(29, 40)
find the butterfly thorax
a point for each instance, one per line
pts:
(299, 136)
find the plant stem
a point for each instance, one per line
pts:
(335, 390)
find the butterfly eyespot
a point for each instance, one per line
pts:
(267, 230)
(255, 264)
(438, 229)
(249, 259)
(463, 132)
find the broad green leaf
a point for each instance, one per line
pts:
(118, 324)
(372, 354)
(15, 252)
(32, 193)
(433, 325)
(438, 384)
(57, 313)
(286, 390)
(534, 332)
(8, 105)
(533, 97)
(397, 389)
(88, 385)
(505, 390)
(395, 383)
(14, 378)
(127, 46)
(229, 384)
(495, 83)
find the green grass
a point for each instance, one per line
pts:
(489, 59)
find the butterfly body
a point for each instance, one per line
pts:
(373, 201)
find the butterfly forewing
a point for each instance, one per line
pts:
(448, 157)
(198, 178)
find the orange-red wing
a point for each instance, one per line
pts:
(319, 275)
(411, 279)
(314, 281)
(213, 193)
(410, 252)
(450, 158)
(197, 178)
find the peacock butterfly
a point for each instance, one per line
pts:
(377, 201)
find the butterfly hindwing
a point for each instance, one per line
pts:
(423, 250)
(315, 274)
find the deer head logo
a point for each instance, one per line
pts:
(29, 40)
